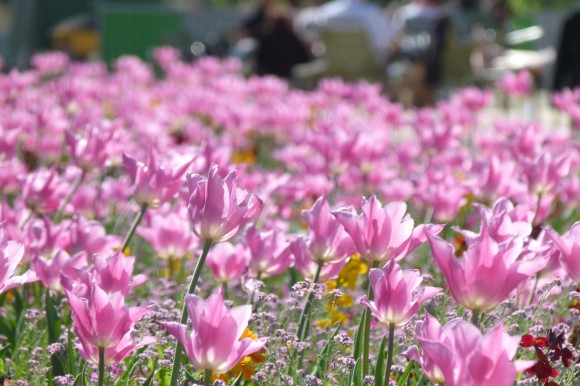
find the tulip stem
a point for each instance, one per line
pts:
(194, 279)
(367, 330)
(307, 310)
(207, 377)
(390, 352)
(101, 381)
(475, 317)
(76, 185)
(134, 227)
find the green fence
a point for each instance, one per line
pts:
(135, 29)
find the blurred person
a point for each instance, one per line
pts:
(359, 14)
(567, 71)
(427, 10)
(279, 48)
(254, 23)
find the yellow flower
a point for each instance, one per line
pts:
(246, 365)
(244, 157)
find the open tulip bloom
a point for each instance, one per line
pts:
(458, 354)
(397, 294)
(486, 273)
(382, 233)
(102, 322)
(217, 207)
(214, 343)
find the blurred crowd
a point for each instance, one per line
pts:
(429, 42)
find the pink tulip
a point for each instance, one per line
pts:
(214, 343)
(517, 84)
(153, 184)
(307, 265)
(91, 151)
(383, 233)
(327, 239)
(502, 222)
(397, 294)
(103, 321)
(569, 246)
(112, 274)
(487, 272)
(227, 262)
(460, 355)
(11, 254)
(88, 236)
(58, 272)
(268, 253)
(546, 172)
(218, 209)
(43, 191)
(169, 234)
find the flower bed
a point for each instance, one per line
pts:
(197, 227)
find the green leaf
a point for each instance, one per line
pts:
(405, 375)
(323, 357)
(149, 381)
(355, 374)
(80, 379)
(53, 326)
(164, 377)
(380, 366)
(358, 337)
(238, 380)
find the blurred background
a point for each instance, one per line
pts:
(432, 45)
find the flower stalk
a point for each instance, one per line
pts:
(194, 279)
(391, 345)
(101, 380)
(134, 226)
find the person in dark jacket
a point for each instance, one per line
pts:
(567, 72)
(279, 48)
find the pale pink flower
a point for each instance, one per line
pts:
(214, 342)
(111, 274)
(517, 84)
(569, 246)
(327, 239)
(268, 252)
(218, 209)
(153, 184)
(227, 262)
(383, 233)
(103, 321)
(92, 150)
(60, 270)
(487, 272)
(11, 254)
(397, 295)
(169, 234)
(43, 191)
(307, 265)
(460, 355)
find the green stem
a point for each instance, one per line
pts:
(194, 279)
(101, 381)
(207, 378)
(367, 330)
(307, 310)
(390, 352)
(133, 227)
(225, 289)
(76, 185)
(475, 317)
(304, 319)
(53, 326)
(536, 280)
